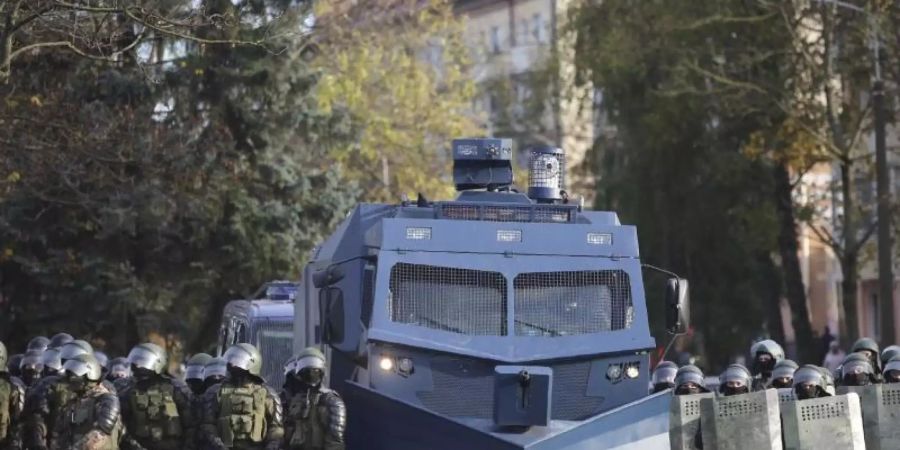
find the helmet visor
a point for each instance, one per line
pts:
(216, 369)
(83, 369)
(237, 357)
(144, 358)
(193, 372)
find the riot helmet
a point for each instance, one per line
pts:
(664, 376)
(102, 359)
(83, 370)
(243, 357)
(12, 366)
(889, 353)
(810, 382)
(4, 358)
(147, 359)
(310, 366)
(892, 370)
(194, 367)
(73, 349)
(60, 339)
(215, 371)
(857, 372)
(52, 362)
(39, 343)
(119, 368)
(290, 367)
(689, 380)
(869, 348)
(735, 380)
(783, 374)
(31, 367)
(765, 355)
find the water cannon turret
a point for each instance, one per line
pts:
(482, 164)
(547, 174)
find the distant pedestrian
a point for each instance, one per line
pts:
(834, 357)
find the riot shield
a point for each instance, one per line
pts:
(786, 395)
(684, 421)
(880, 406)
(748, 421)
(824, 423)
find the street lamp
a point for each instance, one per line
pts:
(882, 181)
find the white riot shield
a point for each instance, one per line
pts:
(741, 422)
(824, 424)
(881, 414)
(786, 395)
(684, 421)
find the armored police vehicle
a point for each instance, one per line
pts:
(499, 320)
(266, 321)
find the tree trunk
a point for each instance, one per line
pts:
(773, 299)
(788, 248)
(849, 256)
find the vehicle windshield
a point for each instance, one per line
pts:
(474, 302)
(275, 341)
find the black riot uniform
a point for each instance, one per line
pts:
(156, 409)
(242, 412)
(90, 420)
(12, 401)
(317, 417)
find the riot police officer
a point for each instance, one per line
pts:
(242, 412)
(892, 370)
(156, 409)
(90, 420)
(317, 417)
(735, 380)
(31, 367)
(45, 399)
(119, 369)
(689, 380)
(60, 339)
(103, 360)
(810, 382)
(857, 371)
(291, 385)
(869, 348)
(766, 354)
(783, 374)
(663, 376)
(12, 401)
(39, 343)
(193, 372)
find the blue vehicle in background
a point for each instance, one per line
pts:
(499, 320)
(266, 321)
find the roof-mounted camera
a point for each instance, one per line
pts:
(482, 164)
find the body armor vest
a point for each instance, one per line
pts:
(308, 415)
(242, 414)
(80, 418)
(6, 392)
(154, 413)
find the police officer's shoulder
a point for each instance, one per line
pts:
(212, 391)
(271, 392)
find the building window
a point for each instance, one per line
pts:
(495, 39)
(537, 28)
(523, 32)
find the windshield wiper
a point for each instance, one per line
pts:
(545, 330)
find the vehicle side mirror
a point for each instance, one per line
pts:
(331, 308)
(328, 276)
(678, 306)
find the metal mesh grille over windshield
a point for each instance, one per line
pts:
(471, 302)
(275, 341)
(572, 303)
